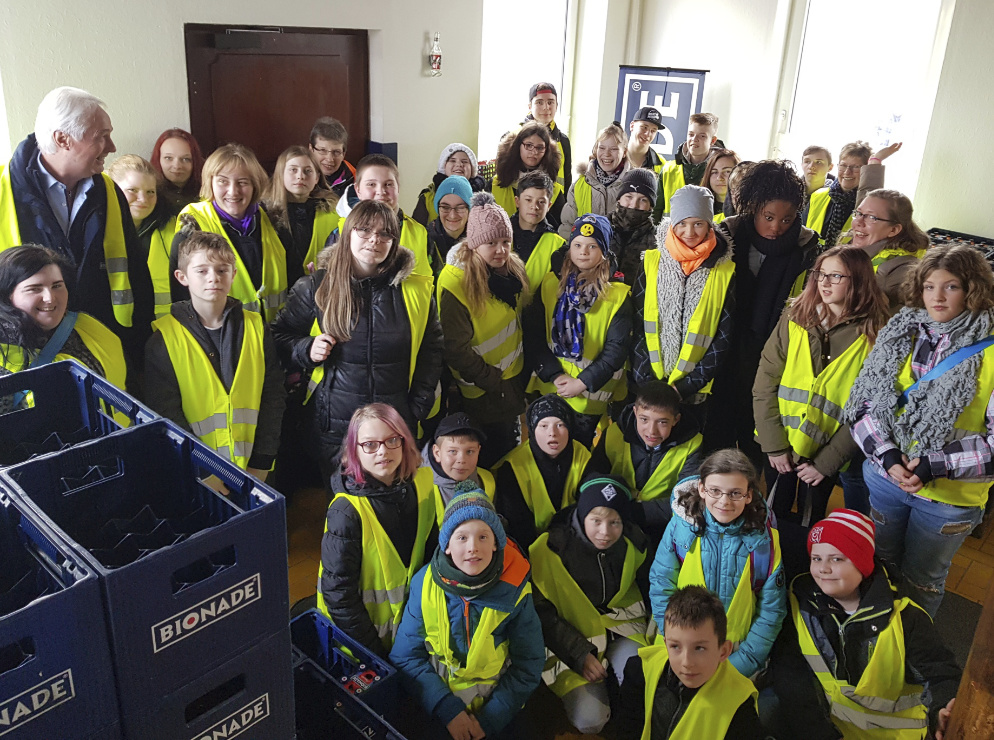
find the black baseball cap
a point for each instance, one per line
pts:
(649, 115)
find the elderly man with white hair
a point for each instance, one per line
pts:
(54, 193)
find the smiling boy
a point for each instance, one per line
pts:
(687, 167)
(644, 127)
(453, 458)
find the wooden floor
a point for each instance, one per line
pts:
(970, 575)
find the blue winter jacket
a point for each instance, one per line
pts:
(724, 552)
(521, 629)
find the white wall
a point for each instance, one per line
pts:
(131, 54)
(953, 192)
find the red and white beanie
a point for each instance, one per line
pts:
(851, 533)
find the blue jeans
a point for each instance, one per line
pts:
(854, 487)
(918, 536)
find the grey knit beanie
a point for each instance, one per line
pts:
(691, 201)
(487, 223)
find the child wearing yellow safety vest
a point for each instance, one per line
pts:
(302, 209)
(453, 457)
(653, 445)
(687, 689)
(540, 476)
(878, 661)
(684, 299)
(580, 326)
(535, 241)
(590, 575)
(481, 294)
(805, 374)
(212, 366)
(598, 184)
(721, 537)
(379, 530)
(470, 646)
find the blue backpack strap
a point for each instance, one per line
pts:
(761, 559)
(949, 363)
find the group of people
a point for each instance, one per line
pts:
(669, 331)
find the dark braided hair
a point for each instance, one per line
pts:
(769, 180)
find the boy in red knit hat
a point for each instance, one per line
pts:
(879, 663)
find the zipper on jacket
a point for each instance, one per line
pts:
(851, 619)
(465, 615)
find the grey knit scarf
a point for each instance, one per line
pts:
(934, 406)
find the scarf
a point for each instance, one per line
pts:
(568, 320)
(933, 407)
(446, 486)
(843, 203)
(505, 288)
(782, 263)
(629, 219)
(607, 178)
(453, 581)
(690, 258)
(242, 225)
(677, 295)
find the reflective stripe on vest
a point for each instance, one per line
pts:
(428, 198)
(486, 481)
(711, 709)
(582, 196)
(742, 608)
(811, 407)
(414, 236)
(663, 478)
(597, 321)
(497, 336)
(818, 209)
(223, 420)
(670, 180)
(532, 485)
(383, 579)
(485, 663)
(416, 291)
(888, 254)
(703, 324)
(159, 246)
(972, 420)
(325, 222)
(271, 295)
(881, 705)
(540, 260)
(115, 247)
(626, 615)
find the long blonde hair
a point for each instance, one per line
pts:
(337, 297)
(599, 276)
(476, 274)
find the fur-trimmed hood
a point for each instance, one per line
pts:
(405, 262)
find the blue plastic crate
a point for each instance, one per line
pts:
(360, 672)
(189, 576)
(326, 710)
(69, 405)
(249, 697)
(56, 677)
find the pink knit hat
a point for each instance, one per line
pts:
(851, 533)
(487, 223)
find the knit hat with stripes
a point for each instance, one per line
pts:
(470, 503)
(851, 533)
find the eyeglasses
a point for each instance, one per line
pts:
(833, 278)
(368, 234)
(871, 218)
(534, 148)
(373, 445)
(332, 152)
(716, 494)
(458, 210)
(849, 167)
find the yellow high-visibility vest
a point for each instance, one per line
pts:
(532, 485)
(666, 474)
(115, 248)
(505, 196)
(703, 324)
(670, 180)
(626, 615)
(383, 579)
(268, 298)
(888, 254)
(818, 209)
(540, 260)
(881, 705)
(325, 222)
(158, 265)
(712, 708)
(414, 236)
(811, 407)
(582, 196)
(225, 421)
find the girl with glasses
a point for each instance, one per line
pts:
(365, 328)
(598, 184)
(721, 537)
(455, 159)
(452, 200)
(528, 150)
(808, 366)
(381, 515)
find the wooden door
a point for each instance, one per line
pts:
(265, 87)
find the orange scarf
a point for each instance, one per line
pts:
(690, 259)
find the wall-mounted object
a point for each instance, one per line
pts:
(435, 58)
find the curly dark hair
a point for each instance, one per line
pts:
(725, 462)
(509, 164)
(963, 261)
(769, 180)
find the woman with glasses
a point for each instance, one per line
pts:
(598, 183)
(530, 149)
(805, 373)
(381, 515)
(455, 159)
(452, 201)
(365, 328)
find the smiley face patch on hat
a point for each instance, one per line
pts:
(587, 230)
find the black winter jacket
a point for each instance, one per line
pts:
(162, 391)
(630, 244)
(439, 240)
(396, 509)
(847, 643)
(84, 248)
(374, 365)
(596, 572)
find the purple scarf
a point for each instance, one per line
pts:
(242, 225)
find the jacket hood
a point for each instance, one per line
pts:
(504, 594)
(404, 265)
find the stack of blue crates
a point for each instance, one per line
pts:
(192, 581)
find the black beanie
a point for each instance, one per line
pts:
(550, 404)
(604, 490)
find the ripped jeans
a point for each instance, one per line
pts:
(917, 536)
